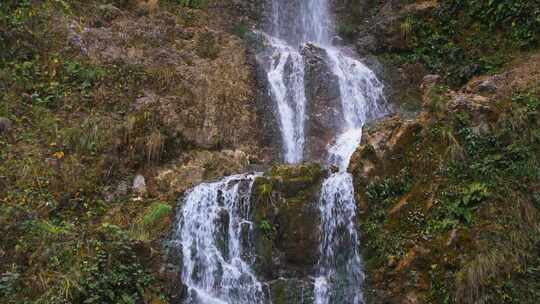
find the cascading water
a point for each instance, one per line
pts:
(286, 78)
(214, 232)
(340, 276)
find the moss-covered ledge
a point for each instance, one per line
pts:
(286, 219)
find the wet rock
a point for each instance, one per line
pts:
(222, 232)
(287, 202)
(139, 185)
(323, 113)
(195, 167)
(373, 63)
(172, 274)
(267, 114)
(336, 40)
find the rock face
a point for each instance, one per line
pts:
(383, 31)
(323, 113)
(195, 167)
(200, 80)
(266, 110)
(286, 218)
(379, 140)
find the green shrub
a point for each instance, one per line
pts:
(156, 213)
(113, 273)
(267, 228)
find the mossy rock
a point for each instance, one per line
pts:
(286, 219)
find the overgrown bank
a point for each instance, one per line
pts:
(108, 111)
(449, 199)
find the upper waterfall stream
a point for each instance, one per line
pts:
(215, 228)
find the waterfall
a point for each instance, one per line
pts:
(214, 234)
(295, 23)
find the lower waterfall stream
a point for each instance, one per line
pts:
(340, 276)
(213, 231)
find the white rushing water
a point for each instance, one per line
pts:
(213, 230)
(340, 276)
(286, 78)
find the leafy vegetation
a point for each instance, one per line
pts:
(473, 219)
(463, 38)
(73, 231)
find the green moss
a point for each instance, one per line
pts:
(286, 217)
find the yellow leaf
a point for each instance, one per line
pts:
(58, 155)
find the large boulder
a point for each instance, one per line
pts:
(286, 218)
(381, 139)
(323, 113)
